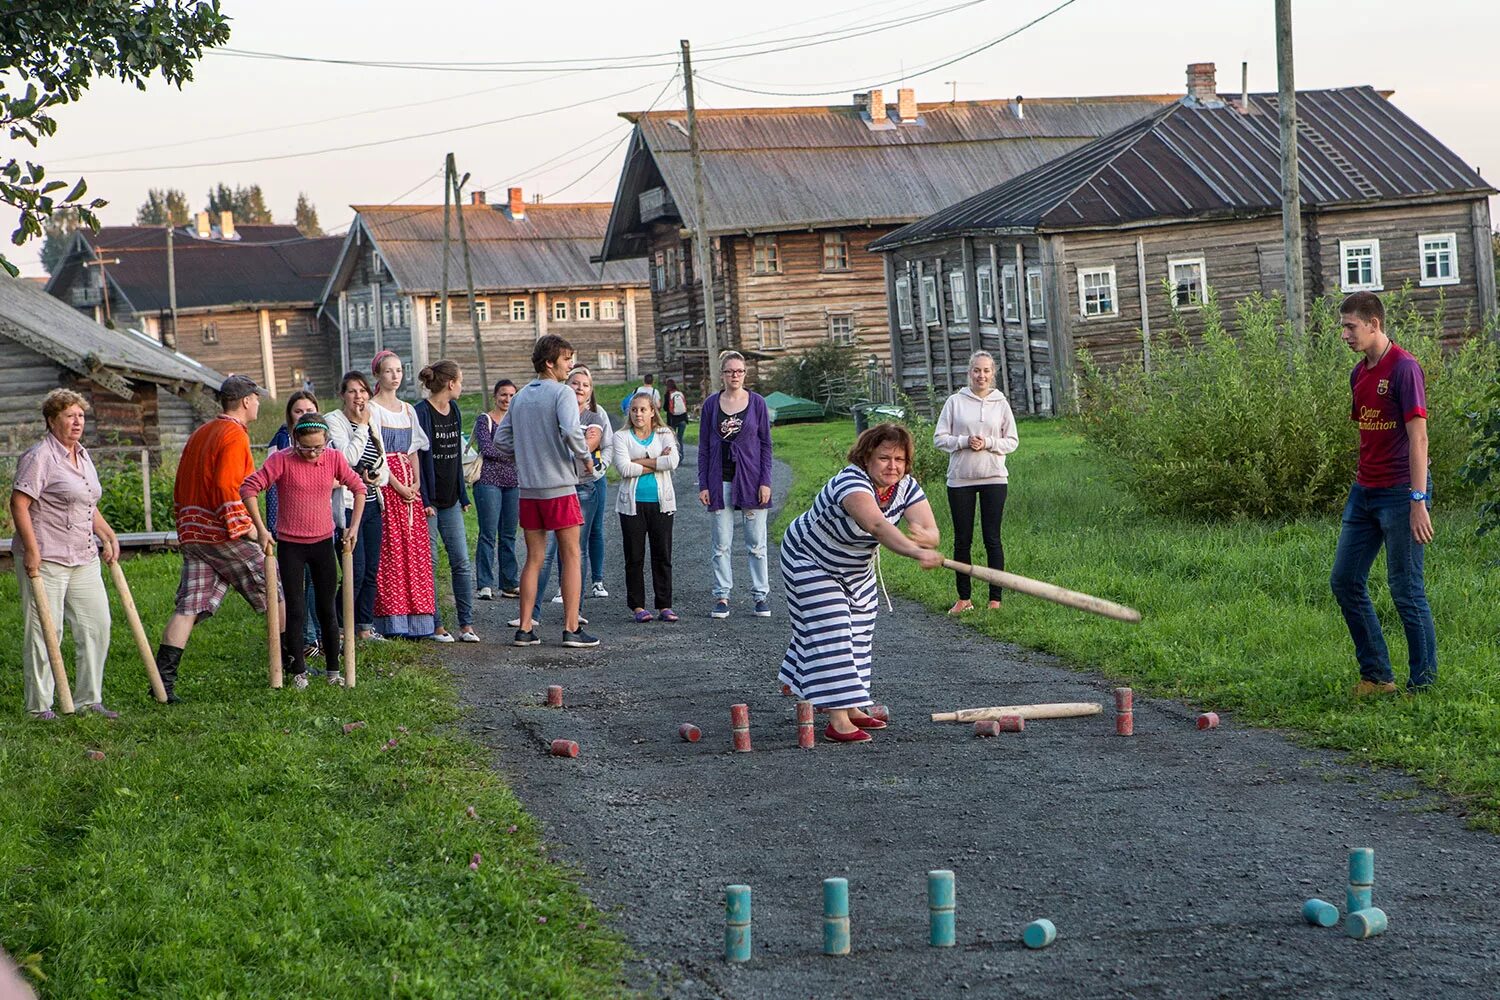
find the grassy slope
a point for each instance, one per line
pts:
(240, 844)
(1238, 615)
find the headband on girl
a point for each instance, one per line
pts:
(310, 424)
(375, 365)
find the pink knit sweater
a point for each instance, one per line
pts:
(305, 491)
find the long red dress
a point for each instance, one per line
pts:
(405, 592)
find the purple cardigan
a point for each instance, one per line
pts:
(752, 454)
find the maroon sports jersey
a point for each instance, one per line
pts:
(1385, 398)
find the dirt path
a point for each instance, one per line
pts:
(1173, 863)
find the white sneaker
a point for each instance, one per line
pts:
(485, 594)
(299, 681)
(558, 598)
(599, 590)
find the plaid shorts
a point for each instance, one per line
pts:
(208, 571)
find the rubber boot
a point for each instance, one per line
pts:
(167, 658)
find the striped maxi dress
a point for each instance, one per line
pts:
(828, 566)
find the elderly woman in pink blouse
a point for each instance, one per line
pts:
(54, 504)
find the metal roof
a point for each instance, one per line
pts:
(547, 248)
(771, 169)
(1191, 160)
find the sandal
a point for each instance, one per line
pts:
(643, 616)
(959, 607)
(667, 615)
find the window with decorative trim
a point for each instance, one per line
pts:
(986, 292)
(673, 270)
(765, 256)
(841, 329)
(903, 303)
(1359, 266)
(435, 310)
(770, 330)
(607, 360)
(560, 309)
(609, 309)
(210, 333)
(1096, 292)
(1189, 279)
(385, 312)
(659, 271)
(585, 309)
(363, 311)
(958, 300)
(930, 312)
(1010, 294)
(835, 251)
(1036, 299)
(1439, 258)
(482, 310)
(520, 310)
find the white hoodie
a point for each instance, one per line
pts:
(965, 415)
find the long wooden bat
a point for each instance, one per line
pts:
(273, 623)
(54, 649)
(348, 618)
(142, 644)
(1056, 710)
(1047, 591)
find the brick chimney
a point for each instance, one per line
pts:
(906, 104)
(877, 107)
(1201, 83)
(477, 197)
(517, 203)
(202, 225)
(226, 225)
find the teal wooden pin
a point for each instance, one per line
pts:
(941, 929)
(1320, 913)
(1039, 934)
(737, 923)
(1357, 897)
(1362, 866)
(1365, 923)
(835, 916)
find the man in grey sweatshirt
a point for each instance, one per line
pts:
(543, 436)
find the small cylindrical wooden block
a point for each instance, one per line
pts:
(1125, 724)
(737, 923)
(564, 748)
(1365, 923)
(804, 713)
(1039, 934)
(807, 738)
(1208, 720)
(880, 712)
(1358, 897)
(941, 929)
(1362, 866)
(1124, 700)
(739, 721)
(835, 916)
(1011, 724)
(688, 733)
(1320, 913)
(554, 696)
(987, 727)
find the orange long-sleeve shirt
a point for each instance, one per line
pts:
(214, 463)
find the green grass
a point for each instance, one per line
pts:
(1237, 615)
(242, 845)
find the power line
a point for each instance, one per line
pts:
(655, 101)
(535, 167)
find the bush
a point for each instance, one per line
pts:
(1482, 470)
(827, 374)
(1258, 424)
(121, 500)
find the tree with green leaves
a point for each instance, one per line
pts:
(247, 203)
(57, 233)
(168, 206)
(307, 216)
(56, 49)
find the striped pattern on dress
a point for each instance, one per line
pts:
(828, 567)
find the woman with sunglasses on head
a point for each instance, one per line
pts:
(734, 474)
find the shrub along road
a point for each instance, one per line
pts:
(1174, 863)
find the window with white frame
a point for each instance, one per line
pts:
(585, 309)
(607, 360)
(1189, 279)
(1010, 294)
(841, 329)
(835, 251)
(1439, 258)
(435, 310)
(280, 328)
(957, 300)
(385, 312)
(765, 256)
(1096, 292)
(659, 272)
(986, 294)
(402, 312)
(930, 315)
(1359, 266)
(674, 271)
(770, 330)
(210, 333)
(520, 310)
(482, 310)
(1036, 301)
(364, 317)
(559, 308)
(609, 309)
(903, 303)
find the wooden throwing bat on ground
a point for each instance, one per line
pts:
(1056, 710)
(1046, 591)
(54, 649)
(273, 623)
(142, 644)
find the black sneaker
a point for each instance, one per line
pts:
(526, 638)
(579, 639)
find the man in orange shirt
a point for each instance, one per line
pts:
(213, 526)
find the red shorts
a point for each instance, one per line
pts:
(551, 515)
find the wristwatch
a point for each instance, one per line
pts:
(1417, 496)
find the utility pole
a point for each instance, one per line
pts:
(700, 234)
(463, 241)
(171, 285)
(1291, 193)
(448, 172)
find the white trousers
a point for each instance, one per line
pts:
(77, 597)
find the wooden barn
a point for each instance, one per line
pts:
(532, 276)
(1093, 249)
(141, 393)
(247, 295)
(794, 196)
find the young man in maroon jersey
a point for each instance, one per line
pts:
(1388, 503)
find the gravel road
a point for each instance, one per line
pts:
(1174, 863)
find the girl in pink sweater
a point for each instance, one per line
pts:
(305, 476)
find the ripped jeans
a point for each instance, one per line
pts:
(756, 523)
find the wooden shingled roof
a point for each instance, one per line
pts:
(1192, 160)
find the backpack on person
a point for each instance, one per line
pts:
(473, 461)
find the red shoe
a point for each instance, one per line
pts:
(868, 722)
(834, 736)
(786, 689)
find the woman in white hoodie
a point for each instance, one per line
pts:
(977, 430)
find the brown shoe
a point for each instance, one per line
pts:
(1365, 689)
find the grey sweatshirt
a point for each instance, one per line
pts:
(543, 436)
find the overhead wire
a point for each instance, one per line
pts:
(657, 100)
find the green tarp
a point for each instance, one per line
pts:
(785, 408)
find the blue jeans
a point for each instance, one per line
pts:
(1372, 518)
(448, 524)
(591, 548)
(366, 568)
(498, 509)
(755, 548)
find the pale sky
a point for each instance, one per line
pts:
(1437, 56)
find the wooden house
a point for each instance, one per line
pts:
(246, 295)
(140, 392)
(532, 276)
(1095, 248)
(794, 196)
